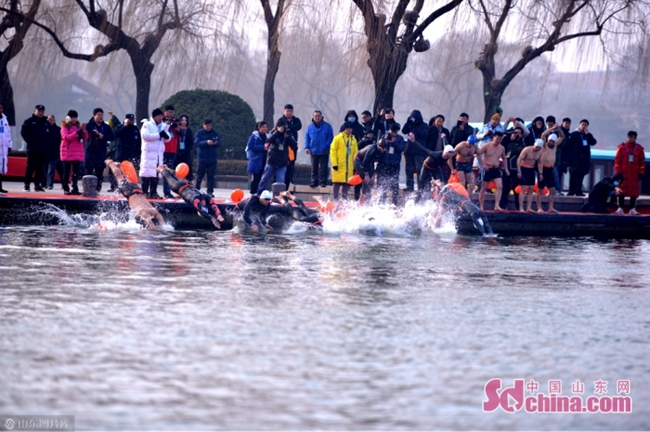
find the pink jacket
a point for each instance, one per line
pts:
(72, 149)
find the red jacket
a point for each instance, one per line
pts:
(630, 161)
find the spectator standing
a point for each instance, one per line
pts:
(462, 131)
(277, 159)
(35, 131)
(318, 139)
(514, 144)
(536, 129)
(562, 161)
(128, 141)
(368, 122)
(73, 135)
(185, 145)
(438, 139)
(5, 146)
(344, 147)
(357, 128)
(388, 168)
(413, 155)
(154, 135)
(256, 154)
(580, 157)
(113, 122)
(207, 142)
(292, 126)
(171, 146)
(99, 134)
(630, 163)
(53, 153)
(384, 120)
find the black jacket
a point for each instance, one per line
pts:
(36, 131)
(579, 153)
(368, 156)
(292, 126)
(128, 142)
(278, 150)
(419, 128)
(458, 135)
(563, 152)
(598, 196)
(382, 125)
(432, 138)
(357, 129)
(513, 149)
(96, 148)
(54, 143)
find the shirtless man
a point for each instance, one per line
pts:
(465, 152)
(490, 156)
(145, 212)
(545, 167)
(528, 160)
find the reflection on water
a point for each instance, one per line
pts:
(183, 330)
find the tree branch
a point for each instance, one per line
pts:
(434, 16)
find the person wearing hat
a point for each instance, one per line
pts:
(35, 131)
(546, 166)
(486, 134)
(432, 170)
(490, 157)
(526, 164)
(342, 151)
(255, 209)
(207, 142)
(128, 139)
(5, 145)
(579, 148)
(465, 152)
(630, 163)
(277, 158)
(154, 135)
(99, 134)
(364, 164)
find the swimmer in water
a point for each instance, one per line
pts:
(299, 212)
(146, 214)
(454, 197)
(256, 209)
(205, 204)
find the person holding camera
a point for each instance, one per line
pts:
(384, 120)
(73, 135)
(154, 136)
(99, 134)
(414, 155)
(171, 147)
(277, 158)
(462, 131)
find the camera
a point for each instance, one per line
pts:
(172, 122)
(459, 123)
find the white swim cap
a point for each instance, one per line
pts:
(553, 137)
(266, 195)
(539, 143)
(449, 149)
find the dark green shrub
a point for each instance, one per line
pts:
(232, 117)
(232, 167)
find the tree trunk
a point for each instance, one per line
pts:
(143, 69)
(387, 64)
(7, 95)
(272, 66)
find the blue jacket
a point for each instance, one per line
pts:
(394, 158)
(206, 153)
(255, 153)
(319, 138)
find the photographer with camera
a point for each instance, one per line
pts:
(461, 131)
(384, 120)
(154, 136)
(99, 134)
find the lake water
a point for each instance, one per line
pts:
(222, 330)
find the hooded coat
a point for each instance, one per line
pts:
(419, 128)
(342, 152)
(630, 162)
(72, 148)
(357, 128)
(255, 152)
(153, 147)
(5, 144)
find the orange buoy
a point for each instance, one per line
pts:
(458, 188)
(491, 185)
(355, 180)
(182, 170)
(237, 195)
(545, 191)
(129, 171)
(453, 179)
(518, 189)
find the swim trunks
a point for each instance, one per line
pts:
(549, 178)
(527, 176)
(491, 174)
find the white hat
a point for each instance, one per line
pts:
(539, 143)
(266, 195)
(449, 149)
(553, 137)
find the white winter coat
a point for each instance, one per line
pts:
(153, 147)
(5, 144)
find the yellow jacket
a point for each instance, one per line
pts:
(342, 152)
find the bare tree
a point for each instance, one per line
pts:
(13, 27)
(273, 24)
(389, 48)
(551, 23)
(138, 28)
